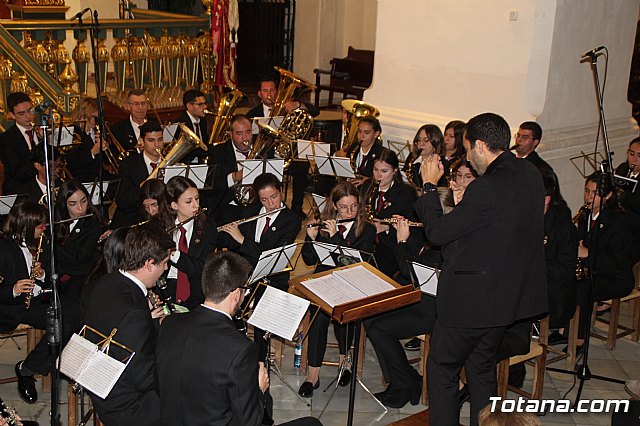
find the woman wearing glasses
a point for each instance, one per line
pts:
(342, 223)
(428, 140)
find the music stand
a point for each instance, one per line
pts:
(200, 174)
(335, 255)
(334, 166)
(273, 262)
(581, 161)
(93, 188)
(425, 278)
(309, 149)
(169, 131)
(254, 168)
(6, 203)
(63, 135)
(273, 122)
(401, 148)
(377, 300)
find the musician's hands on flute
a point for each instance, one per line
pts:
(330, 227)
(432, 169)
(402, 228)
(233, 230)
(312, 232)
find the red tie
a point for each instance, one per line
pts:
(30, 141)
(341, 229)
(183, 291)
(266, 226)
(153, 165)
(380, 201)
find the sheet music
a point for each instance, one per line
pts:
(275, 123)
(254, 168)
(342, 166)
(101, 374)
(319, 200)
(169, 132)
(198, 174)
(279, 313)
(270, 263)
(427, 278)
(66, 136)
(326, 250)
(93, 190)
(6, 202)
(401, 148)
(332, 290)
(76, 355)
(310, 148)
(368, 282)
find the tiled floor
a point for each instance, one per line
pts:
(622, 363)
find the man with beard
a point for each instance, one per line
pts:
(493, 273)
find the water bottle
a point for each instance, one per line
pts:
(297, 353)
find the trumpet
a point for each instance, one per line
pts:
(252, 218)
(36, 258)
(189, 219)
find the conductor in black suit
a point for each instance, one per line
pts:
(17, 142)
(134, 170)
(194, 118)
(253, 238)
(127, 131)
(119, 300)
(208, 372)
(493, 251)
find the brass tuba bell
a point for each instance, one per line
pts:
(187, 142)
(229, 100)
(355, 111)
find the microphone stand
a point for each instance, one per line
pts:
(44, 120)
(582, 371)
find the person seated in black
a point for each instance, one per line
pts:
(134, 170)
(610, 232)
(77, 237)
(355, 232)
(387, 195)
(222, 204)
(153, 199)
(630, 200)
(385, 330)
(453, 148)
(17, 142)
(364, 153)
(428, 140)
(127, 131)
(25, 276)
(83, 160)
(36, 188)
(253, 238)
(194, 117)
(195, 240)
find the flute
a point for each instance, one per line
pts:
(189, 219)
(252, 218)
(393, 221)
(322, 225)
(71, 219)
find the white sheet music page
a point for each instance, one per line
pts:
(76, 355)
(270, 263)
(365, 280)
(332, 290)
(101, 374)
(279, 313)
(427, 278)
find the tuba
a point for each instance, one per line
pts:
(290, 87)
(229, 100)
(355, 111)
(187, 142)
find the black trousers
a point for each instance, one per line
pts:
(452, 348)
(385, 332)
(318, 337)
(299, 172)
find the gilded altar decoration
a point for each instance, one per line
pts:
(81, 57)
(19, 82)
(43, 2)
(68, 78)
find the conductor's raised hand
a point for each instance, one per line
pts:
(432, 169)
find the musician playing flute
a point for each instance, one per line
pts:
(276, 228)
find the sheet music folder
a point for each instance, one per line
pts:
(95, 366)
(360, 308)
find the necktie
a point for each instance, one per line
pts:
(363, 161)
(341, 230)
(183, 291)
(30, 142)
(380, 202)
(153, 165)
(196, 126)
(266, 226)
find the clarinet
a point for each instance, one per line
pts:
(9, 414)
(161, 290)
(32, 276)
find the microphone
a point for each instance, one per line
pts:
(80, 14)
(592, 52)
(43, 106)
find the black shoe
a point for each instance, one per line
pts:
(307, 388)
(463, 396)
(381, 396)
(400, 397)
(413, 344)
(26, 386)
(556, 338)
(345, 379)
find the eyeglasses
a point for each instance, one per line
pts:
(425, 139)
(522, 137)
(200, 104)
(345, 209)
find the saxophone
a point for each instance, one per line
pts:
(36, 258)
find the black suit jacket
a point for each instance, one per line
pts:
(82, 165)
(398, 199)
(492, 245)
(16, 157)
(258, 110)
(123, 131)
(30, 190)
(117, 302)
(204, 136)
(77, 254)
(560, 252)
(133, 171)
(416, 173)
(201, 245)
(613, 254)
(366, 167)
(207, 371)
(224, 158)
(630, 201)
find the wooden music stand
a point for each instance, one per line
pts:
(354, 311)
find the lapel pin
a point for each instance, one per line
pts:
(77, 230)
(273, 228)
